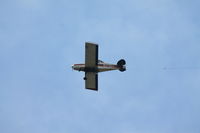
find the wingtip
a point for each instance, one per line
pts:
(94, 89)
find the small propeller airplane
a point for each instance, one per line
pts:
(92, 66)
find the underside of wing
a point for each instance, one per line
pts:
(91, 80)
(91, 55)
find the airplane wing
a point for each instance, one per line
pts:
(91, 55)
(91, 62)
(91, 80)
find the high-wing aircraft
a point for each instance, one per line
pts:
(92, 66)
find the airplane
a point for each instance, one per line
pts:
(93, 66)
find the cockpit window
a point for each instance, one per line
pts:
(100, 61)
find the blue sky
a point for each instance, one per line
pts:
(41, 39)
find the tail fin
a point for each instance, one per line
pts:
(121, 64)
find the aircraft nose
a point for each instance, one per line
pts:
(72, 66)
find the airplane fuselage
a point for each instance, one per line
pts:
(101, 67)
